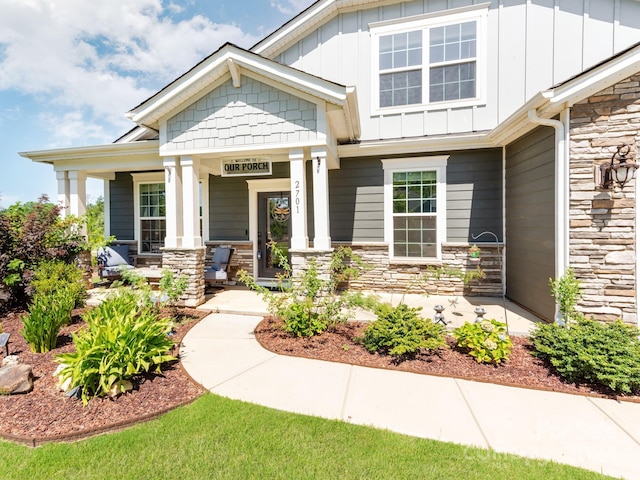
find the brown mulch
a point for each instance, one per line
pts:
(46, 414)
(338, 344)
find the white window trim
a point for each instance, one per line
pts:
(479, 13)
(158, 177)
(437, 163)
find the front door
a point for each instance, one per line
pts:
(274, 221)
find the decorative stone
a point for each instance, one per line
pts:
(10, 360)
(119, 388)
(621, 258)
(16, 379)
(62, 386)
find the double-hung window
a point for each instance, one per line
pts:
(428, 61)
(415, 210)
(152, 217)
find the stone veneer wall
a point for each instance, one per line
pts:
(189, 262)
(603, 222)
(407, 277)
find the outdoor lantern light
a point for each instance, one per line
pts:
(618, 170)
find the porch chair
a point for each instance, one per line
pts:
(112, 260)
(217, 272)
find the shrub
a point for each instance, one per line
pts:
(566, 291)
(47, 315)
(309, 304)
(29, 234)
(53, 275)
(123, 338)
(605, 354)
(486, 341)
(400, 331)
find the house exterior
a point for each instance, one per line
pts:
(407, 130)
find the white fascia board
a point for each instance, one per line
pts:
(187, 87)
(111, 150)
(416, 145)
(597, 79)
(518, 122)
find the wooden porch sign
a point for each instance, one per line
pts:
(243, 167)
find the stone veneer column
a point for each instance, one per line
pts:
(603, 234)
(189, 262)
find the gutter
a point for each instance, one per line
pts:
(561, 190)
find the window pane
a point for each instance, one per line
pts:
(386, 43)
(436, 54)
(386, 61)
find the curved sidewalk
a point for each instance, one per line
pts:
(603, 435)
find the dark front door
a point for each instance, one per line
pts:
(274, 220)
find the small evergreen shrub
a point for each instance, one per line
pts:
(587, 351)
(123, 338)
(400, 331)
(486, 341)
(53, 275)
(47, 315)
(566, 291)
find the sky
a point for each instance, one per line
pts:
(71, 69)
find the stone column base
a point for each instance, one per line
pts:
(190, 263)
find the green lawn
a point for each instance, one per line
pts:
(220, 438)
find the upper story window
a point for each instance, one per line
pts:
(429, 61)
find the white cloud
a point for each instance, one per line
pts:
(291, 7)
(96, 60)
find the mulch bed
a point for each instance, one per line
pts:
(45, 414)
(338, 344)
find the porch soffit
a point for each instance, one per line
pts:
(233, 62)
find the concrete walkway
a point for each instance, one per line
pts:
(602, 435)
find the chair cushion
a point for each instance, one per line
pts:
(114, 255)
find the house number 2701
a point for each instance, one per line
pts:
(297, 196)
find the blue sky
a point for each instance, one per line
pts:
(70, 69)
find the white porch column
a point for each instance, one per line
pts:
(299, 237)
(77, 193)
(173, 202)
(191, 201)
(63, 192)
(322, 238)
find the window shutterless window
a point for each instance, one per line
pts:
(152, 217)
(430, 60)
(415, 210)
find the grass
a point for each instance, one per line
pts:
(217, 438)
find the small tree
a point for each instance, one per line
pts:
(566, 291)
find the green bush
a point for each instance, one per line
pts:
(400, 331)
(53, 275)
(566, 291)
(309, 304)
(123, 338)
(47, 315)
(486, 341)
(605, 354)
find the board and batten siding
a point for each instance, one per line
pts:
(530, 221)
(530, 46)
(121, 206)
(474, 197)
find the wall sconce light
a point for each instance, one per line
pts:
(618, 170)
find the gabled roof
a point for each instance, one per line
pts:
(231, 60)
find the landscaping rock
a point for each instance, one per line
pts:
(117, 389)
(10, 360)
(16, 379)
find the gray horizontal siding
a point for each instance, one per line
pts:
(121, 206)
(474, 195)
(229, 204)
(530, 221)
(356, 201)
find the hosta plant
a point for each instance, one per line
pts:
(401, 332)
(486, 341)
(123, 338)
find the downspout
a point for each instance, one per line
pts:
(561, 190)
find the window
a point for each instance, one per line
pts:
(428, 60)
(152, 217)
(415, 212)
